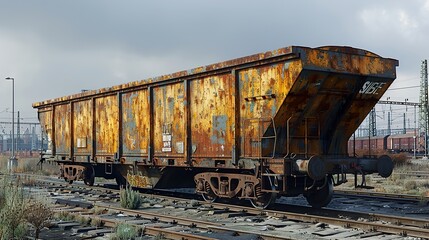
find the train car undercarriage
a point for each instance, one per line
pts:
(260, 185)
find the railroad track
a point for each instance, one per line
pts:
(380, 195)
(418, 174)
(367, 222)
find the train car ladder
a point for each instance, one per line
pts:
(259, 133)
(257, 130)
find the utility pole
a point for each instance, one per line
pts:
(18, 134)
(415, 131)
(389, 131)
(13, 160)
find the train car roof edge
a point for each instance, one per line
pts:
(208, 68)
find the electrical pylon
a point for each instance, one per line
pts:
(423, 108)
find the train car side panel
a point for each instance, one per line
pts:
(107, 126)
(45, 116)
(169, 116)
(212, 101)
(82, 125)
(135, 121)
(62, 132)
(262, 93)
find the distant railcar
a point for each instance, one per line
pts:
(257, 127)
(390, 143)
(402, 143)
(375, 143)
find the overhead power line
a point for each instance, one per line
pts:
(400, 88)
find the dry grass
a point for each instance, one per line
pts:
(398, 158)
(399, 182)
(29, 165)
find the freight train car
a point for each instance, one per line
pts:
(391, 143)
(402, 143)
(258, 127)
(360, 144)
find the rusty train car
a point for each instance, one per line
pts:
(391, 143)
(255, 128)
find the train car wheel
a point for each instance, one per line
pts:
(210, 196)
(89, 181)
(322, 197)
(264, 199)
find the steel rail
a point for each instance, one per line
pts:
(418, 228)
(387, 196)
(161, 217)
(154, 231)
(187, 222)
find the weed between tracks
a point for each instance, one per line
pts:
(126, 231)
(130, 199)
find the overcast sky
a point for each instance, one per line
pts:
(54, 48)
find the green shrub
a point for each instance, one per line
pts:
(124, 232)
(130, 199)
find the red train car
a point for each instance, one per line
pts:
(391, 143)
(362, 144)
(402, 142)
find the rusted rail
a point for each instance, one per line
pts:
(388, 196)
(154, 231)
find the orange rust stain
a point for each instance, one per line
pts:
(62, 129)
(169, 120)
(135, 118)
(138, 181)
(213, 116)
(82, 125)
(263, 91)
(106, 114)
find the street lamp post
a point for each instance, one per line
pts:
(13, 157)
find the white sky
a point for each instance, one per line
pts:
(54, 48)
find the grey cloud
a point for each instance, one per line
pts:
(56, 48)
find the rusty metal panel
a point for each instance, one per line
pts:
(82, 125)
(45, 119)
(212, 101)
(135, 119)
(348, 60)
(262, 93)
(169, 117)
(338, 87)
(107, 125)
(62, 130)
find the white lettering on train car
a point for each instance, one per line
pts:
(371, 87)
